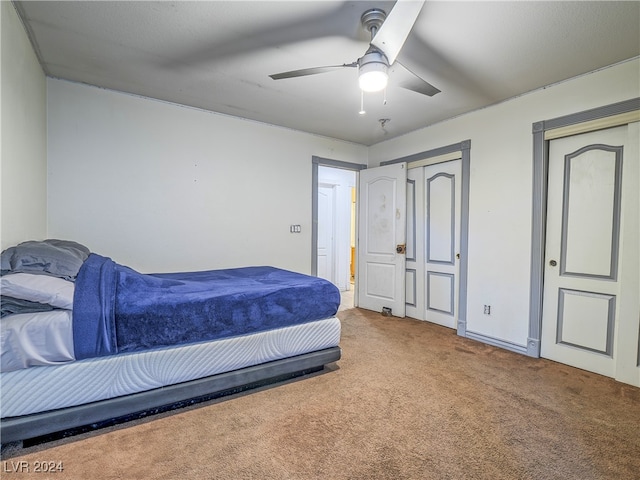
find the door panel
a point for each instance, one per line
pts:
(411, 220)
(586, 320)
(442, 197)
(592, 188)
(440, 292)
(381, 280)
(415, 289)
(411, 293)
(586, 245)
(441, 215)
(382, 227)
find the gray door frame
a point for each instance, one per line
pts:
(539, 206)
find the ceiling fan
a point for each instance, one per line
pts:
(388, 34)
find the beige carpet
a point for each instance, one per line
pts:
(408, 400)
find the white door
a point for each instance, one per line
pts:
(326, 224)
(442, 188)
(381, 243)
(590, 306)
(433, 224)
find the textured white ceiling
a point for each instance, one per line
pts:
(217, 55)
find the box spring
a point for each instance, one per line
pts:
(41, 400)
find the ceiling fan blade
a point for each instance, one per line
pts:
(310, 71)
(396, 27)
(417, 84)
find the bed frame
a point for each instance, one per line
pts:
(25, 427)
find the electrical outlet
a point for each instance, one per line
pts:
(487, 309)
(295, 229)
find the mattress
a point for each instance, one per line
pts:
(43, 388)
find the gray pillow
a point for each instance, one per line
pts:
(5, 259)
(58, 258)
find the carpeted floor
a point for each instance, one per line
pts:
(408, 400)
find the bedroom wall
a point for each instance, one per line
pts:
(23, 155)
(501, 188)
(161, 187)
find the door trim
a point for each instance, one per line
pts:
(464, 149)
(539, 204)
(315, 163)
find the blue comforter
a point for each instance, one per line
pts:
(117, 309)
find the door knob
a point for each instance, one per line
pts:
(553, 263)
(401, 248)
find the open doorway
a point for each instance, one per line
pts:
(334, 225)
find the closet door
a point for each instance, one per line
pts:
(442, 211)
(590, 307)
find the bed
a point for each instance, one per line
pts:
(85, 340)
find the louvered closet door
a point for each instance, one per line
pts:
(590, 310)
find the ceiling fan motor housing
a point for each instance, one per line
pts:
(372, 20)
(373, 55)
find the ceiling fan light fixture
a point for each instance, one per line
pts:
(372, 76)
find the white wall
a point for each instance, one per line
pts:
(161, 187)
(23, 156)
(501, 188)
